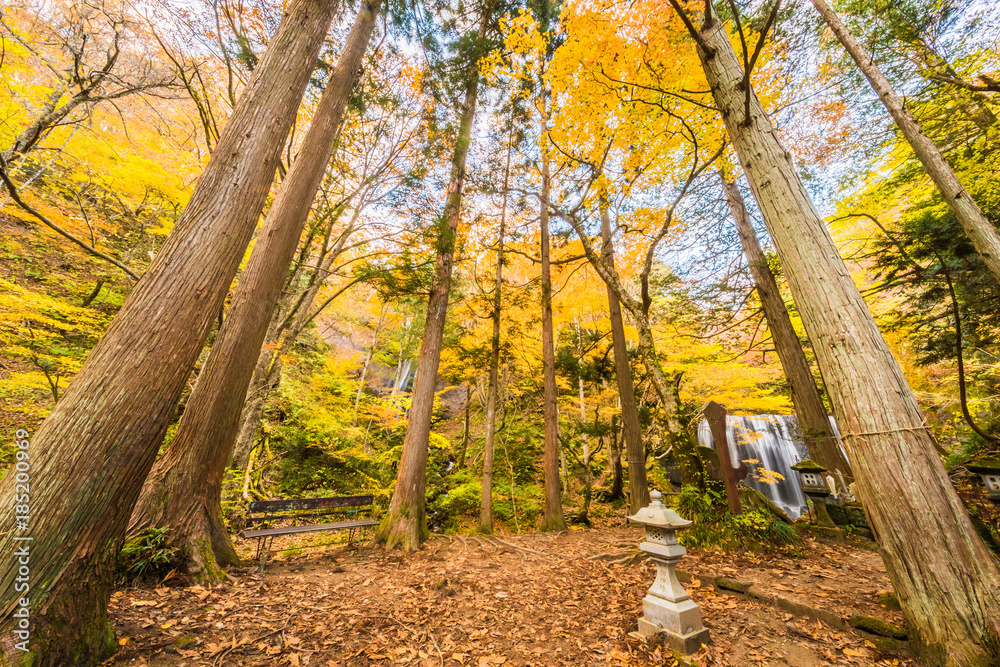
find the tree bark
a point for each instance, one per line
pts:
(552, 514)
(981, 232)
(944, 576)
(184, 489)
(821, 442)
(97, 446)
(405, 524)
(637, 484)
(486, 506)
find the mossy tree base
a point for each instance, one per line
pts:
(195, 530)
(554, 523)
(404, 528)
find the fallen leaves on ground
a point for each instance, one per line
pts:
(538, 599)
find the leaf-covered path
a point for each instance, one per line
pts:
(566, 599)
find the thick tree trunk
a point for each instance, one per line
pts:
(945, 578)
(97, 446)
(981, 232)
(821, 442)
(552, 513)
(405, 524)
(489, 446)
(637, 484)
(184, 489)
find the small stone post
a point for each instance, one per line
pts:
(667, 608)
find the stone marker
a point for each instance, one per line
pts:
(667, 608)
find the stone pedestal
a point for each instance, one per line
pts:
(822, 515)
(667, 608)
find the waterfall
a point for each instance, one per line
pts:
(775, 441)
(402, 382)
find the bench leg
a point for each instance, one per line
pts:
(265, 552)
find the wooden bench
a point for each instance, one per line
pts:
(356, 510)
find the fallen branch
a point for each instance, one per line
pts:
(527, 550)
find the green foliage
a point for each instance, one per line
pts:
(148, 557)
(715, 528)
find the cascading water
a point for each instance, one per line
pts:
(402, 382)
(775, 441)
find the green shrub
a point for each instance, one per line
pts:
(148, 557)
(714, 527)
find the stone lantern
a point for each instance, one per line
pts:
(989, 469)
(667, 608)
(811, 481)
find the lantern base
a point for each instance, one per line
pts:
(679, 621)
(686, 644)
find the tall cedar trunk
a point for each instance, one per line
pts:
(638, 487)
(821, 442)
(552, 514)
(99, 443)
(486, 506)
(981, 232)
(944, 576)
(405, 524)
(184, 489)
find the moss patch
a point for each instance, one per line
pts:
(877, 627)
(889, 601)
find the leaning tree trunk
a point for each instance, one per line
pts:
(552, 514)
(981, 232)
(821, 442)
(637, 485)
(945, 578)
(405, 524)
(486, 506)
(98, 444)
(184, 489)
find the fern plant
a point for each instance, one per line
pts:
(148, 556)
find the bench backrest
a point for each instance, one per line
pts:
(295, 508)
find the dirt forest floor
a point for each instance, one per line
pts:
(538, 599)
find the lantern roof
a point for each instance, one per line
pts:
(985, 465)
(658, 515)
(807, 465)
